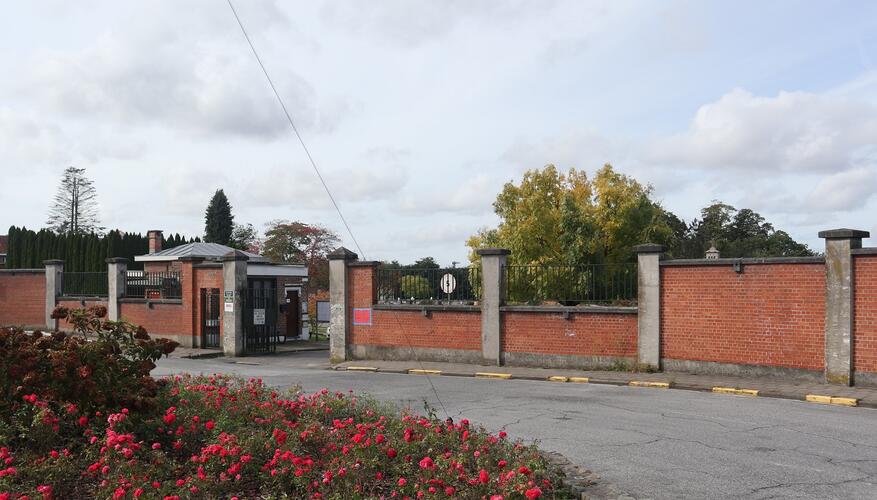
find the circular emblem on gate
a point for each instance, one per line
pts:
(448, 283)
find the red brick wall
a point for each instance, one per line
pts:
(162, 319)
(22, 298)
(771, 314)
(586, 334)
(865, 319)
(76, 304)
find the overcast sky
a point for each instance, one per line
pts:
(418, 111)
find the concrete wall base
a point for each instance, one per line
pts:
(735, 370)
(413, 354)
(537, 360)
(865, 379)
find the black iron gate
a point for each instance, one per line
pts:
(260, 317)
(210, 317)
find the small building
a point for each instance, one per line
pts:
(276, 293)
(4, 241)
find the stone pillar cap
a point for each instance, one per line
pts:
(53, 262)
(342, 253)
(493, 251)
(648, 248)
(117, 260)
(843, 233)
(235, 255)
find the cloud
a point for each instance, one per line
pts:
(843, 191)
(198, 77)
(792, 132)
(471, 196)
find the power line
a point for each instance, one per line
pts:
(325, 186)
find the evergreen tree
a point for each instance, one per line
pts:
(218, 220)
(74, 209)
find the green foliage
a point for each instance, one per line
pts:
(80, 252)
(245, 237)
(300, 243)
(416, 287)
(218, 220)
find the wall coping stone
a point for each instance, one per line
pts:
(493, 251)
(747, 261)
(151, 301)
(427, 307)
(81, 298)
(23, 271)
(53, 262)
(117, 260)
(341, 253)
(588, 309)
(843, 233)
(864, 251)
(364, 263)
(648, 248)
(235, 255)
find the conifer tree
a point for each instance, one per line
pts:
(218, 220)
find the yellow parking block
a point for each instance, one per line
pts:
(746, 392)
(580, 380)
(656, 385)
(815, 398)
(724, 390)
(414, 371)
(504, 376)
(558, 379)
(845, 401)
(361, 369)
(735, 391)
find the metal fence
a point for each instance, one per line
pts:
(75, 284)
(571, 285)
(458, 285)
(149, 285)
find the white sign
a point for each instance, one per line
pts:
(229, 307)
(448, 283)
(258, 316)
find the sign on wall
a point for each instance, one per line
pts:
(323, 311)
(258, 316)
(362, 316)
(229, 301)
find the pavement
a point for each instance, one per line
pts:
(290, 346)
(642, 441)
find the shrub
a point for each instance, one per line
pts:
(416, 287)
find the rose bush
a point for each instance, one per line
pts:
(224, 437)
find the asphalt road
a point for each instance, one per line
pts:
(651, 443)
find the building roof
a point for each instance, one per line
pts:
(197, 250)
(3, 242)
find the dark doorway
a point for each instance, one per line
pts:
(293, 314)
(260, 316)
(209, 317)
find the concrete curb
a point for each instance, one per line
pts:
(733, 391)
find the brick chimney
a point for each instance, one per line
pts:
(154, 236)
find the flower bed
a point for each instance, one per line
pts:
(223, 437)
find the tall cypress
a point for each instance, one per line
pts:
(218, 220)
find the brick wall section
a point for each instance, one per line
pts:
(586, 334)
(162, 319)
(771, 314)
(442, 330)
(23, 298)
(865, 319)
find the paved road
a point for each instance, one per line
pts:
(651, 443)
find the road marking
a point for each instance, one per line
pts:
(580, 380)
(504, 376)
(415, 371)
(656, 385)
(557, 378)
(361, 369)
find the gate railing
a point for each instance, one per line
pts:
(571, 285)
(260, 319)
(425, 286)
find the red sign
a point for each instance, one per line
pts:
(362, 316)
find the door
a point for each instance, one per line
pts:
(260, 314)
(293, 314)
(209, 317)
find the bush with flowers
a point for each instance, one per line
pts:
(224, 437)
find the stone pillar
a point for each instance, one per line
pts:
(54, 277)
(649, 305)
(234, 285)
(492, 296)
(839, 296)
(339, 303)
(117, 271)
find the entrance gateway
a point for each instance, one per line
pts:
(260, 315)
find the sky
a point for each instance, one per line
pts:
(417, 112)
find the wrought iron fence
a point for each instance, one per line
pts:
(458, 285)
(77, 284)
(571, 285)
(151, 285)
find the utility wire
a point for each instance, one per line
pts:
(323, 182)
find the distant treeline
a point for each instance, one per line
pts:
(27, 249)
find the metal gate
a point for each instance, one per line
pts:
(260, 317)
(210, 317)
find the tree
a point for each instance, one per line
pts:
(245, 237)
(74, 209)
(218, 220)
(414, 287)
(556, 218)
(297, 242)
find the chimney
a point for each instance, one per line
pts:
(154, 236)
